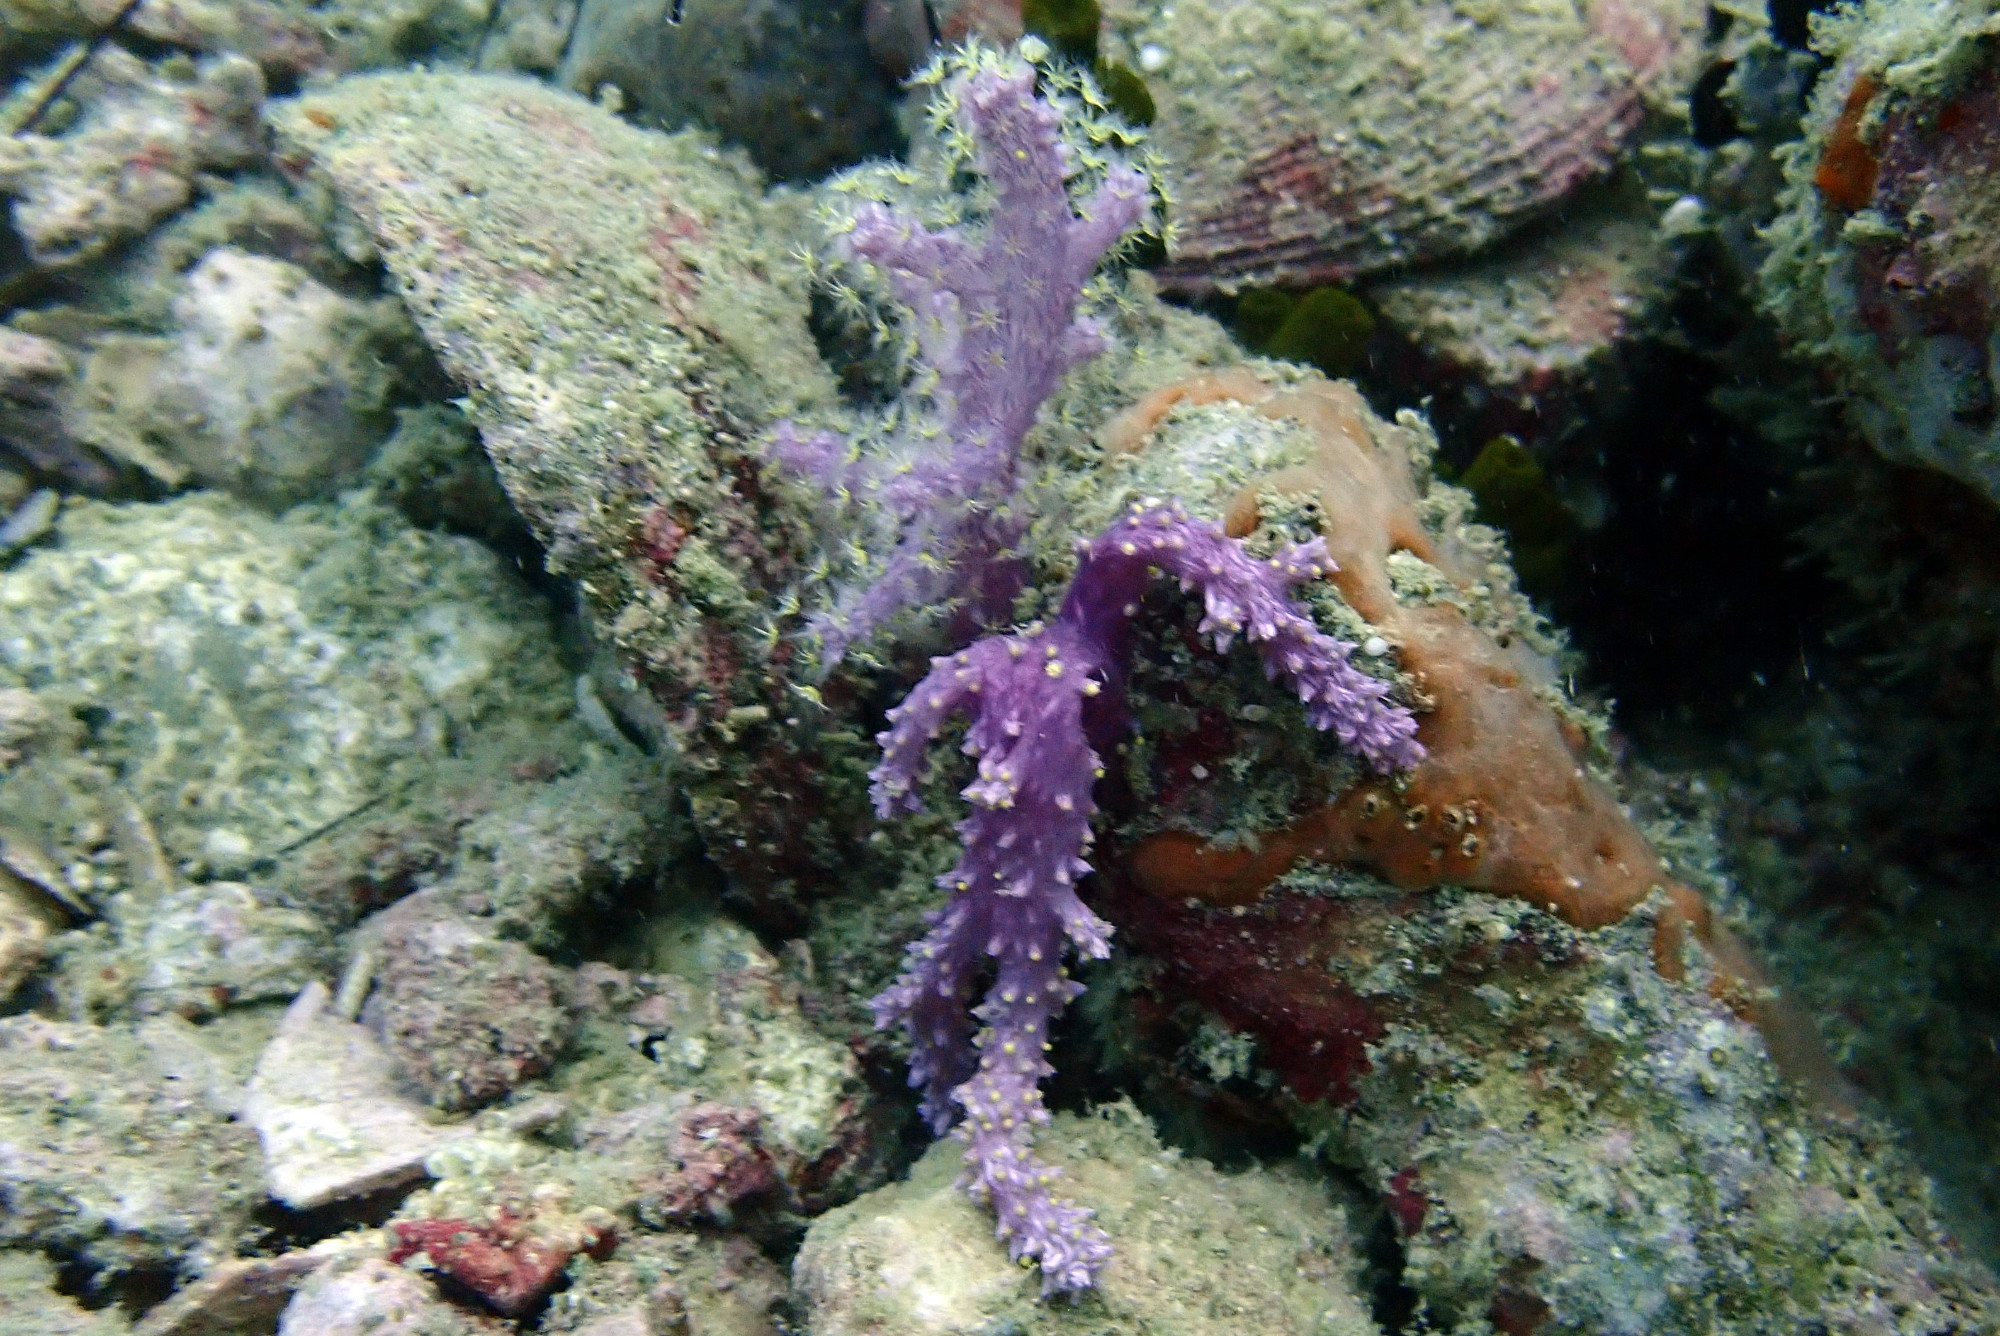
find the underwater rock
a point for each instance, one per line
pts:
(28, 920)
(790, 81)
(510, 1260)
(625, 316)
(1198, 1251)
(1559, 1132)
(1883, 267)
(534, 866)
(662, 1284)
(325, 1104)
(466, 1015)
(703, 1079)
(1308, 143)
(1532, 339)
(288, 39)
(433, 470)
(700, 1096)
(248, 681)
(133, 157)
(270, 384)
(279, 36)
(239, 1297)
(367, 1296)
(37, 377)
(113, 1163)
(198, 949)
(35, 1306)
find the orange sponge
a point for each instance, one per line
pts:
(1503, 802)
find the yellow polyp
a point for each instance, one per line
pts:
(1054, 669)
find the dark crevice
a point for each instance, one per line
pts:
(1391, 1301)
(287, 1230)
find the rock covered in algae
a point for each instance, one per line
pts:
(1311, 143)
(114, 1158)
(223, 694)
(620, 308)
(36, 1306)
(1533, 337)
(706, 1046)
(681, 1281)
(37, 376)
(248, 681)
(143, 139)
(269, 383)
(1565, 1141)
(1199, 1251)
(467, 1015)
(1883, 264)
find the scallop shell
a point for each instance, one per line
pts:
(1314, 141)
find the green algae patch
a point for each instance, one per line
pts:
(1516, 495)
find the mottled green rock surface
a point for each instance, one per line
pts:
(619, 307)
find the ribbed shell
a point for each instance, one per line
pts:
(1312, 141)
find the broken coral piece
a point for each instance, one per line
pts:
(510, 1262)
(324, 1101)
